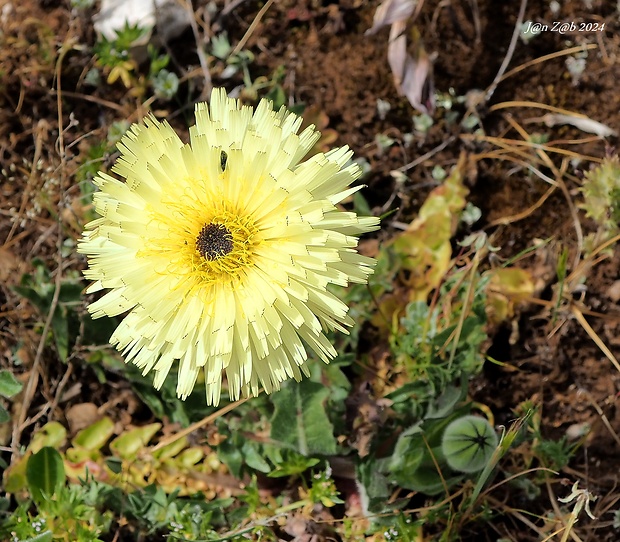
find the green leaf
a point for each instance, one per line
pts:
(230, 453)
(51, 434)
(114, 464)
(361, 205)
(300, 420)
(96, 435)
(427, 480)
(131, 442)
(45, 473)
(277, 96)
(4, 415)
(39, 288)
(60, 328)
(9, 385)
(408, 454)
(417, 451)
(46, 536)
(374, 487)
(254, 458)
(445, 404)
(169, 451)
(292, 464)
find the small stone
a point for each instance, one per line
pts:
(613, 292)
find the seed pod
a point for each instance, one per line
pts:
(468, 443)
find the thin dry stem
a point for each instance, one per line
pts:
(205, 421)
(594, 336)
(40, 136)
(204, 64)
(604, 418)
(511, 49)
(568, 526)
(551, 56)
(251, 29)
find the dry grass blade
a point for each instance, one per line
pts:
(505, 220)
(31, 387)
(551, 56)
(511, 49)
(515, 145)
(559, 180)
(536, 105)
(567, 529)
(520, 515)
(204, 63)
(205, 421)
(593, 335)
(40, 136)
(593, 258)
(251, 29)
(601, 414)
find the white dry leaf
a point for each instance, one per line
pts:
(397, 52)
(169, 15)
(584, 124)
(115, 15)
(391, 11)
(413, 75)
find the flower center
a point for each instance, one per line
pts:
(214, 241)
(224, 247)
(205, 238)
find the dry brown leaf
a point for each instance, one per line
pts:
(9, 265)
(584, 124)
(81, 415)
(390, 12)
(413, 75)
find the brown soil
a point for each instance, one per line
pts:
(330, 62)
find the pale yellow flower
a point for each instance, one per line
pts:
(221, 250)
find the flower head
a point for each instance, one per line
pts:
(220, 251)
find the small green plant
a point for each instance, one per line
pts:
(235, 61)
(73, 495)
(417, 461)
(576, 66)
(555, 454)
(152, 510)
(422, 123)
(164, 82)
(114, 56)
(63, 512)
(601, 200)
(95, 156)
(9, 386)
(323, 489)
(83, 512)
(39, 289)
(426, 343)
